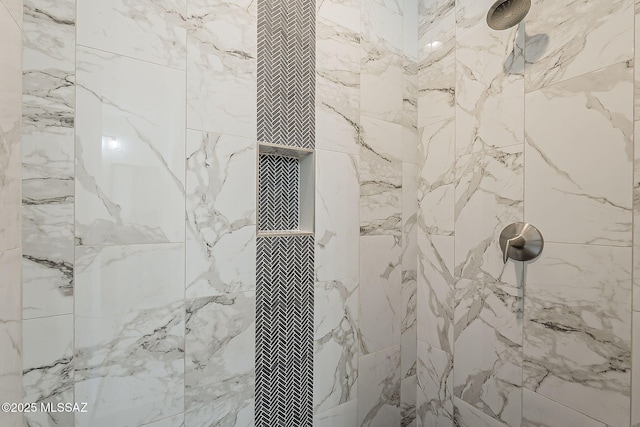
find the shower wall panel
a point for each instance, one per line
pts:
(165, 119)
(534, 123)
(48, 125)
(11, 344)
(149, 155)
(387, 176)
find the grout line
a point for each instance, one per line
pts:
(47, 317)
(75, 198)
(186, 216)
(128, 244)
(634, 253)
(79, 45)
(452, 344)
(578, 76)
(563, 405)
(522, 288)
(589, 244)
(13, 19)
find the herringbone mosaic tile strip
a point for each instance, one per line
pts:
(278, 193)
(286, 72)
(284, 332)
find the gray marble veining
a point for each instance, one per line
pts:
(49, 53)
(336, 343)
(221, 212)
(219, 354)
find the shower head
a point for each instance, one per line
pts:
(507, 13)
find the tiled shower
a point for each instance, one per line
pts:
(199, 198)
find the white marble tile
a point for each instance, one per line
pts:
(436, 178)
(635, 370)
(221, 214)
(408, 397)
(221, 66)
(336, 336)
(336, 216)
(489, 196)
(538, 411)
(10, 334)
(129, 129)
(410, 16)
(150, 30)
(489, 89)
(219, 360)
(380, 293)
(409, 115)
(561, 45)
(345, 13)
(47, 259)
(380, 178)
(434, 406)
(488, 349)
(381, 82)
(470, 14)
(10, 112)
(431, 12)
(636, 216)
(49, 41)
(577, 336)
(436, 76)
(435, 291)
(47, 155)
(579, 158)
(381, 25)
(48, 367)
(410, 144)
(409, 325)
(129, 333)
(345, 415)
(396, 6)
(174, 421)
(10, 285)
(382, 59)
(468, 416)
(15, 9)
(47, 211)
(379, 390)
(337, 87)
(409, 216)
(636, 60)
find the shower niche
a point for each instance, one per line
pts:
(286, 192)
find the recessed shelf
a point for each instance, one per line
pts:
(283, 150)
(286, 190)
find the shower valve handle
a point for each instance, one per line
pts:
(521, 241)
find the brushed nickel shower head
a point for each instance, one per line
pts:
(507, 13)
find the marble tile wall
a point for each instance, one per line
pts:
(48, 204)
(11, 343)
(125, 125)
(138, 168)
(366, 211)
(388, 145)
(337, 254)
(535, 123)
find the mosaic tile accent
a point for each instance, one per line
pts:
(286, 72)
(284, 331)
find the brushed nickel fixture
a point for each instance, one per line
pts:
(505, 14)
(521, 241)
